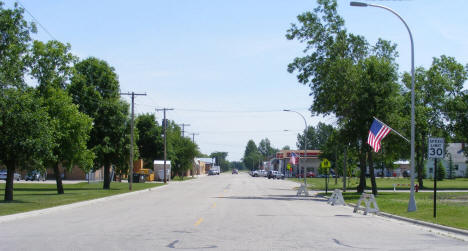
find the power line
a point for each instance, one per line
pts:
(37, 21)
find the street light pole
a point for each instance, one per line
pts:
(305, 148)
(412, 201)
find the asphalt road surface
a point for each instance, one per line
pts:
(225, 212)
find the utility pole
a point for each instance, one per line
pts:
(183, 128)
(133, 94)
(193, 136)
(165, 138)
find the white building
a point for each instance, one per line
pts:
(459, 161)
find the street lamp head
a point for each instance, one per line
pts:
(358, 4)
(286, 110)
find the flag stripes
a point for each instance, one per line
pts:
(377, 132)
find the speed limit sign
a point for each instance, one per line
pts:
(435, 148)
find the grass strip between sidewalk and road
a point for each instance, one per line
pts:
(34, 196)
(452, 208)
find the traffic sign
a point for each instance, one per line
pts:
(435, 148)
(325, 163)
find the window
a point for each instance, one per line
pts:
(431, 170)
(456, 167)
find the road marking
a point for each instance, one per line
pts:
(214, 205)
(225, 190)
(199, 221)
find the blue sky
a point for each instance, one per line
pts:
(222, 64)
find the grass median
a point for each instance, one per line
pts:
(452, 208)
(33, 196)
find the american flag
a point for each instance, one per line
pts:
(377, 132)
(294, 159)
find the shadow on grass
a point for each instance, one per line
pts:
(14, 202)
(25, 189)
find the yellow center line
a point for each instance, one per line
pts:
(225, 190)
(214, 205)
(199, 221)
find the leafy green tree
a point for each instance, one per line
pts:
(52, 65)
(14, 46)
(185, 151)
(286, 148)
(440, 171)
(437, 94)
(221, 160)
(25, 132)
(71, 130)
(95, 88)
(150, 142)
(265, 149)
(237, 165)
(348, 78)
(251, 155)
(316, 136)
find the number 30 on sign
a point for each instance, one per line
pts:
(435, 148)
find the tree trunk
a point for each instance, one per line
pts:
(420, 162)
(372, 173)
(362, 167)
(9, 181)
(107, 177)
(58, 178)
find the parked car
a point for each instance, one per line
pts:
(212, 172)
(260, 173)
(235, 171)
(35, 175)
(279, 175)
(3, 175)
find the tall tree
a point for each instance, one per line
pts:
(251, 155)
(71, 130)
(347, 77)
(438, 90)
(316, 136)
(265, 148)
(25, 132)
(14, 46)
(150, 142)
(95, 88)
(52, 65)
(221, 160)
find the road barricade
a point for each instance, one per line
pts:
(369, 203)
(336, 198)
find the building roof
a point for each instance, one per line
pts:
(161, 162)
(206, 160)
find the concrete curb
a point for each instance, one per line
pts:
(13, 217)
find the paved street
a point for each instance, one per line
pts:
(225, 212)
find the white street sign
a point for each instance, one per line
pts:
(436, 148)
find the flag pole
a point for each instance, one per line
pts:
(393, 130)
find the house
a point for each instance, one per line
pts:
(459, 161)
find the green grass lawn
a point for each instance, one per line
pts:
(33, 196)
(452, 208)
(385, 183)
(178, 178)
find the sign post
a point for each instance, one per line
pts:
(436, 151)
(326, 164)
